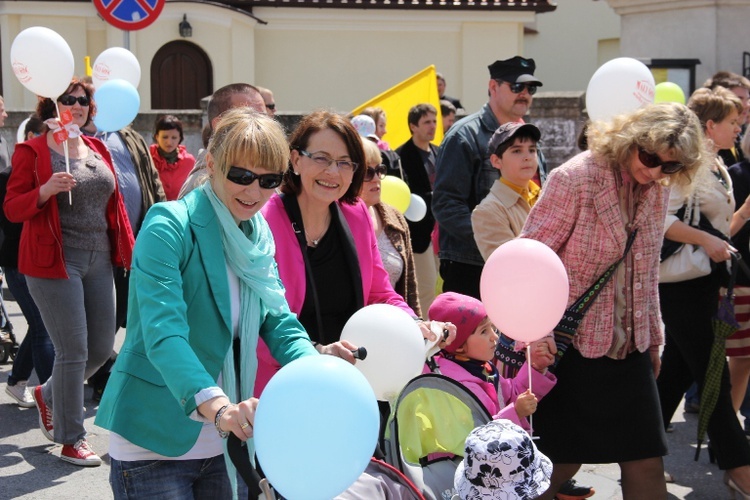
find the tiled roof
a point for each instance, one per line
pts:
(445, 5)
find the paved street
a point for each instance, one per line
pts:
(30, 467)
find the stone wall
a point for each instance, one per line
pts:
(559, 115)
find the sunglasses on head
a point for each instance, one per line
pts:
(652, 160)
(517, 88)
(70, 100)
(371, 172)
(244, 177)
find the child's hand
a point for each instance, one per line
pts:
(526, 404)
(543, 353)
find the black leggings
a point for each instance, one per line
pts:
(687, 308)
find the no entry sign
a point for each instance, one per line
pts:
(129, 15)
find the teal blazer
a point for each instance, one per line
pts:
(179, 328)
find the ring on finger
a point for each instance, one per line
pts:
(245, 425)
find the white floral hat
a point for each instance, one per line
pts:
(501, 462)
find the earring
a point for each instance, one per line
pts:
(295, 173)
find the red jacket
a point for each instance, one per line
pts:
(40, 253)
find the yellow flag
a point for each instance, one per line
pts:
(87, 62)
(396, 102)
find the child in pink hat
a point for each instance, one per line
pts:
(468, 361)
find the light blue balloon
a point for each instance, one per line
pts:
(117, 103)
(316, 428)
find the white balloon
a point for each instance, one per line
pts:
(417, 209)
(619, 86)
(116, 63)
(42, 61)
(395, 347)
(21, 128)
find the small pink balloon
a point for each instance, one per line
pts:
(524, 288)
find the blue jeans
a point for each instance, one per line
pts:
(36, 351)
(170, 479)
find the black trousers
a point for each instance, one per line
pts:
(687, 308)
(460, 278)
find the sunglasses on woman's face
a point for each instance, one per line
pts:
(371, 172)
(244, 177)
(652, 160)
(70, 100)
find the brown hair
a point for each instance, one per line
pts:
(47, 109)
(313, 123)
(714, 105)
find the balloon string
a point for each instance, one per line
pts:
(528, 366)
(67, 156)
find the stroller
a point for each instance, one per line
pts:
(427, 431)
(8, 343)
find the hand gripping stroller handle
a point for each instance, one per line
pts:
(238, 454)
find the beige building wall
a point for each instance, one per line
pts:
(568, 44)
(712, 31)
(310, 58)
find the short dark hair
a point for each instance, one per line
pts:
(417, 112)
(46, 108)
(322, 120)
(221, 100)
(168, 122)
(35, 125)
(446, 107)
(522, 136)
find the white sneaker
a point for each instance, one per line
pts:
(21, 394)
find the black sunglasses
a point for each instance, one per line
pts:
(70, 100)
(517, 88)
(371, 172)
(244, 177)
(652, 160)
(271, 106)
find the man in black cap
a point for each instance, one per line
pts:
(464, 172)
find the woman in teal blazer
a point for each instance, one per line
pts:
(203, 288)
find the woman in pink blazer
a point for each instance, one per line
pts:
(605, 406)
(326, 248)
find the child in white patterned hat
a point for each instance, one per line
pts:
(501, 462)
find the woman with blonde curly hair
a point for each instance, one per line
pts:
(589, 209)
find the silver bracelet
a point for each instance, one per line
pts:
(217, 421)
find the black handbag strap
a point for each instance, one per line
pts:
(295, 216)
(584, 301)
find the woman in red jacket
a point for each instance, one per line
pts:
(171, 158)
(74, 229)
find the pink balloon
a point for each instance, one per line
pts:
(524, 288)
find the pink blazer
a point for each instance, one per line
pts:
(376, 288)
(578, 215)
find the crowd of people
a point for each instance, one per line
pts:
(256, 251)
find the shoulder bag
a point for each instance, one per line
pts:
(682, 262)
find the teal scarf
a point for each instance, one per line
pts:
(248, 249)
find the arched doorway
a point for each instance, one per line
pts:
(181, 75)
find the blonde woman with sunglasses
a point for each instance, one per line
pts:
(203, 290)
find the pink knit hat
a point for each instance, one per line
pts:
(463, 311)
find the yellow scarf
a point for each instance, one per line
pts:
(530, 193)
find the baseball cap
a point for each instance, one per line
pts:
(514, 70)
(508, 131)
